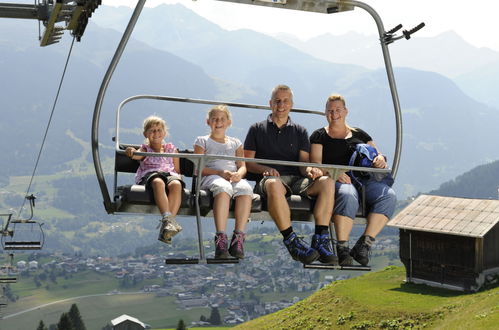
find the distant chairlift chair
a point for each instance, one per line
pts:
(22, 234)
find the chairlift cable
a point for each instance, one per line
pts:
(48, 125)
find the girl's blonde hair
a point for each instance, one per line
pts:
(221, 107)
(339, 97)
(154, 120)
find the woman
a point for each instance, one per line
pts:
(334, 144)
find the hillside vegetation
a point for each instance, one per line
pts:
(480, 182)
(382, 300)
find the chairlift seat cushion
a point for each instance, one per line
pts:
(138, 195)
(301, 207)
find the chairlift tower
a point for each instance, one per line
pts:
(56, 16)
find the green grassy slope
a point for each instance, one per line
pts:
(381, 300)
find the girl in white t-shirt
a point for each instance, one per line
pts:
(224, 178)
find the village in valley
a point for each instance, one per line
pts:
(264, 282)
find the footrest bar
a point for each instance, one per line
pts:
(338, 267)
(190, 261)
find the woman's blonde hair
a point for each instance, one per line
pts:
(339, 97)
(221, 107)
(336, 97)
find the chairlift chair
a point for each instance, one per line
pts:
(7, 279)
(131, 199)
(22, 234)
(5, 274)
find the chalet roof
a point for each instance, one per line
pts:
(449, 215)
(123, 318)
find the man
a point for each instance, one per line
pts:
(279, 138)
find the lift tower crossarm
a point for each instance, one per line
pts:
(69, 14)
(23, 11)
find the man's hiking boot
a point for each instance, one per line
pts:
(344, 258)
(322, 243)
(299, 250)
(362, 250)
(168, 228)
(221, 243)
(236, 245)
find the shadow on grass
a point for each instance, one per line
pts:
(427, 290)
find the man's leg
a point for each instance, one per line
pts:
(278, 208)
(276, 203)
(323, 190)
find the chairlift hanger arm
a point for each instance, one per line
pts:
(321, 6)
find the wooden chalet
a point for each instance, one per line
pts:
(450, 242)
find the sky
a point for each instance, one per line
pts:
(475, 21)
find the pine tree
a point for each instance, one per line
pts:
(65, 323)
(215, 318)
(41, 326)
(181, 325)
(76, 320)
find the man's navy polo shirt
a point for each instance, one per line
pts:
(272, 142)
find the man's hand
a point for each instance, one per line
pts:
(315, 173)
(271, 172)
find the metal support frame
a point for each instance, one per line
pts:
(73, 14)
(327, 7)
(52, 33)
(22, 11)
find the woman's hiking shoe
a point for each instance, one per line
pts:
(362, 250)
(299, 250)
(322, 243)
(236, 245)
(344, 258)
(221, 243)
(168, 228)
